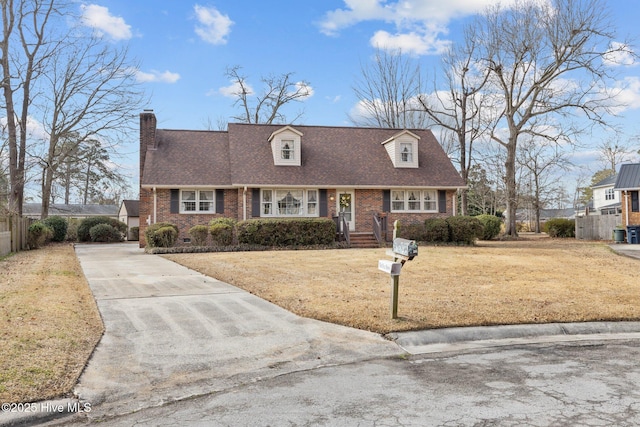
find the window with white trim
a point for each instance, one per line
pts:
(406, 152)
(197, 201)
(414, 201)
(289, 202)
(287, 149)
(609, 194)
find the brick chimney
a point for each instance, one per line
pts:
(147, 136)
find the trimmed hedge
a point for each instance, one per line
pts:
(464, 229)
(59, 226)
(491, 226)
(436, 230)
(287, 232)
(87, 224)
(199, 234)
(38, 235)
(135, 233)
(221, 234)
(560, 227)
(105, 233)
(161, 234)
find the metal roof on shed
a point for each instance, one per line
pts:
(628, 177)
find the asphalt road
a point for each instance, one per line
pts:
(586, 383)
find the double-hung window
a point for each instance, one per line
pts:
(406, 153)
(287, 151)
(197, 201)
(414, 201)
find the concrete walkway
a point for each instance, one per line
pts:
(172, 333)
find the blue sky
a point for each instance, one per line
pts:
(184, 47)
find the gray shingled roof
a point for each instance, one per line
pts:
(34, 209)
(331, 156)
(132, 206)
(611, 179)
(628, 177)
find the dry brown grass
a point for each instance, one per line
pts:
(49, 324)
(532, 281)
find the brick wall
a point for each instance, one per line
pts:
(184, 222)
(634, 217)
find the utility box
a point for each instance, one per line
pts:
(633, 234)
(405, 247)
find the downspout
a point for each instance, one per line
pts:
(626, 207)
(155, 205)
(244, 203)
(454, 202)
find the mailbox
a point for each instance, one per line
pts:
(405, 247)
(393, 268)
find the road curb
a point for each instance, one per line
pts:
(28, 414)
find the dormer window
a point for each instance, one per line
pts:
(403, 149)
(286, 145)
(287, 152)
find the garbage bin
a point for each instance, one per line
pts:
(633, 233)
(618, 235)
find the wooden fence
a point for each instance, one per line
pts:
(596, 227)
(13, 233)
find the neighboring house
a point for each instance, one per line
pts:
(129, 213)
(34, 210)
(279, 171)
(628, 184)
(606, 201)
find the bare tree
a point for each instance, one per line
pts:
(459, 108)
(266, 107)
(541, 162)
(614, 152)
(388, 92)
(548, 61)
(91, 91)
(25, 51)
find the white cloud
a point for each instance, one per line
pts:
(213, 27)
(234, 90)
(628, 93)
(302, 87)
(99, 18)
(419, 24)
(619, 54)
(157, 77)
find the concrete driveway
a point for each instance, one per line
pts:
(172, 333)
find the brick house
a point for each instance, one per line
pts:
(286, 171)
(628, 184)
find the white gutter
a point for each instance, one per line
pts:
(244, 203)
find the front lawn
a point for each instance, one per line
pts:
(538, 280)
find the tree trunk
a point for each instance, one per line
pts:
(511, 187)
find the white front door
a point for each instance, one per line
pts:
(346, 208)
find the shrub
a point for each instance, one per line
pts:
(287, 232)
(159, 235)
(39, 235)
(560, 227)
(436, 230)
(134, 232)
(199, 234)
(59, 226)
(491, 226)
(88, 223)
(412, 232)
(223, 220)
(221, 234)
(72, 230)
(105, 233)
(464, 229)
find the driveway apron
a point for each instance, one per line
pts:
(173, 333)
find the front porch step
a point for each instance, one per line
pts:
(363, 240)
